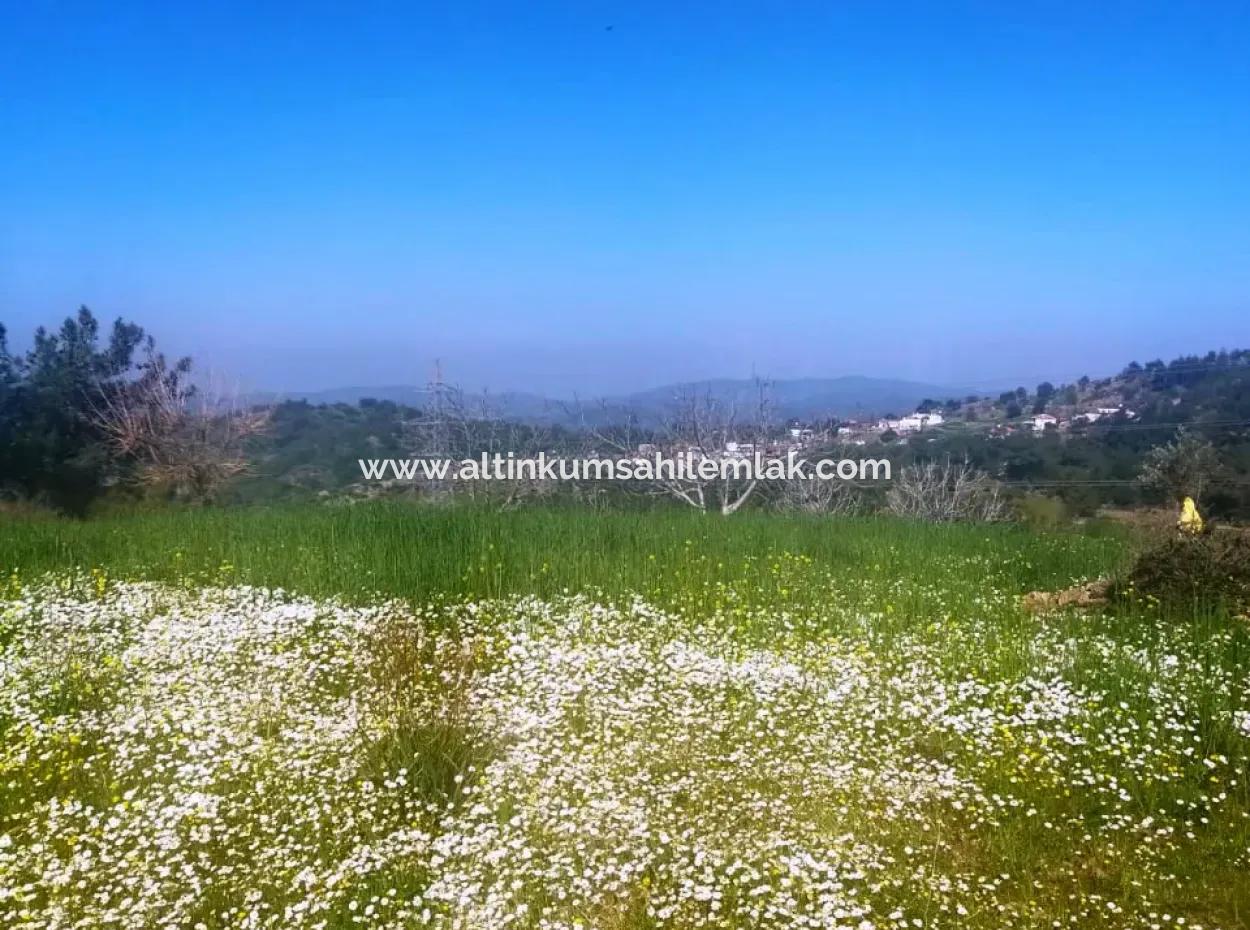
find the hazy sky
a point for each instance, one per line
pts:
(597, 197)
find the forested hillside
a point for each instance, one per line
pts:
(313, 449)
(1088, 463)
(86, 418)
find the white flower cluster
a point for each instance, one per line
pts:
(1242, 721)
(243, 758)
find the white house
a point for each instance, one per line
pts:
(1043, 420)
(1112, 411)
(914, 422)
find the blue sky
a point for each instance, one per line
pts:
(306, 196)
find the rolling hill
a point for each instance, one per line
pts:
(800, 398)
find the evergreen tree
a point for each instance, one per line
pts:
(52, 452)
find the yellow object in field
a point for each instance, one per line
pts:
(1190, 520)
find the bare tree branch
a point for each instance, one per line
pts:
(946, 491)
(187, 441)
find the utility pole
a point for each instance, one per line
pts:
(429, 433)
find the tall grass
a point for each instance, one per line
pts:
(415, 552)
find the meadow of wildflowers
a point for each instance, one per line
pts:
(894, 748)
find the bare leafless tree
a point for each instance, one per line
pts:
(488, 432)
(186, 440)
(833, 497)
(946, 491)
(456, 426)
(699, 426)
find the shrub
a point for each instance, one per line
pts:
(1211, 571)
(945, 492)
(420, 695)
(1042, 511)
(814, 495)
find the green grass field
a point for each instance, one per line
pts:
(554, 718)
(676, 557)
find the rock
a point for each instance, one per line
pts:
(1091, 594)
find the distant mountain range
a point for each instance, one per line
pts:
(801, 398)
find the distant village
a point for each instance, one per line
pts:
(801, 437)
(922, 420)
(1036, 423)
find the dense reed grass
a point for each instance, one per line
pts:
(414, 552)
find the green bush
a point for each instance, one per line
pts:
(1041, 511)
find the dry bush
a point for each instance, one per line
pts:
(813, 495)
(182, 440)
(946, 491)
(1186, 573)
(419, 690)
